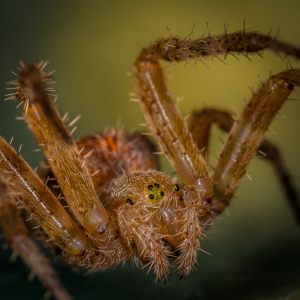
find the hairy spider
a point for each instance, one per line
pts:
(108, 201)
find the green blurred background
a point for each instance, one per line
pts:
(255, 245)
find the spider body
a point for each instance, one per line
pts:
(109, 200)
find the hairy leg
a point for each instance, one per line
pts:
(61, 152)
(176, 143)
(200, 124)
(70, 171)
(42, 205)
(64, 158)
(16, 236)
(166, 124)
(246, 135)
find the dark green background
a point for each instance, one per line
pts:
(255, 245)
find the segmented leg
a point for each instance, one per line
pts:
(164, 120)
(178, 146)
(53, 219)
(200, 124)
(42, 205)
(60, 149)
(64, 158)
(247, 133)
(16, 236)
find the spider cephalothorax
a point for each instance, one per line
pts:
(103, 199)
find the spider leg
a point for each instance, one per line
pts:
(274, 156)
(64, 158)
(246, 135)
(16, 235)
(41, 204)
(78, 248)
(178, 146)
(157, 104)
(200, 124)
(170, 131)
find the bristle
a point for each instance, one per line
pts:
(74, 121)
(65, 116)
(73, 130)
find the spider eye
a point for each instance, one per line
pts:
(130, 201)
(156, 192)
(176, 187)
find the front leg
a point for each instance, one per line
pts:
(64, 158)
(61, 152)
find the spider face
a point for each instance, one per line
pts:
(130, 208)
(150, 189)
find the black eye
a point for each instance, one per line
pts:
(131, 202)
(151, 196)
(162, 193)
(128, 200)
(156, 185)
(150, 187)
(176, 187)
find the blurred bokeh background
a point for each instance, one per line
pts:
(255, 245)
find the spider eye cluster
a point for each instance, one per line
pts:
(155, 192)
(130, 201)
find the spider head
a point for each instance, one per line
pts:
(146, 189)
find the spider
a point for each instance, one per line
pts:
(103, 200)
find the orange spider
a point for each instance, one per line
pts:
(108, 201)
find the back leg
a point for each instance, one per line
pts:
(274, 156)
(200, 124)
